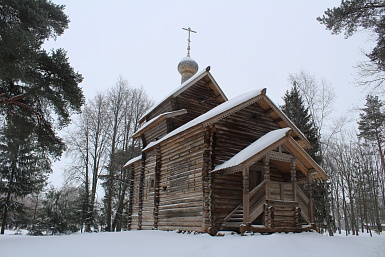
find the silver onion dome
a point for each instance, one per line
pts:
(187, 67)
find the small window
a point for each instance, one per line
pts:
(152, 183)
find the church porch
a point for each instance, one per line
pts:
(275, 203)
(276, 188)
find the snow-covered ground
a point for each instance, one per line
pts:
(170, 244)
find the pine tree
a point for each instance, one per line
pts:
(298, 113)
(38, 91)
(372, 124)
(295, 110)
(357, 15)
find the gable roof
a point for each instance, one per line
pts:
(186, 85)
(257, 150)
(219, 112)
(227, 108)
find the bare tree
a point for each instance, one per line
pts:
(318, 94)
(87, 145)
(126, 105)
(356, 183)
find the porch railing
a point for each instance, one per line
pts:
(277, 191)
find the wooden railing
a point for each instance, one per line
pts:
(303, 203)
(228, 217)
(282, 192)
(257, 200)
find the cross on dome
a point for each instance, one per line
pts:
(187, 67)
(189, 41)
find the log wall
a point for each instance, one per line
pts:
(236, 132)
(156, 132)
(228, 193)
(180, 182)
(196, 100)
(134, 195)
(149, 191)
(166, 106)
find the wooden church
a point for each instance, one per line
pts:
(209, 163)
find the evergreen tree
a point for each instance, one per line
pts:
(354, 15)
(372, 124)
(298, 113)
(38, 92)
(295, 110)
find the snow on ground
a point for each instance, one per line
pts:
(172, 244)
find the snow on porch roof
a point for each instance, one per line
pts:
(135, 159)
(178, 90)
(256, 147)
(216, 111)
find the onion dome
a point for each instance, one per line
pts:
(187, 67)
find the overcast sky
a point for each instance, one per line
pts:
(248, 44)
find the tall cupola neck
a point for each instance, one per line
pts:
(187, 67)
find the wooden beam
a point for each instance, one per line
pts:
(268, 111)
(266, 175)
(246, 195)
(310, 195)
(294, 178)
(284, 157)
(277, 120)
(157, 187)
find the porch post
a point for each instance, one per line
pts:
(310, 195)
(266, 176)
(294, 178)
(246, 196)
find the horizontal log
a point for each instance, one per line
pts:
(182, 228)
(182, 220)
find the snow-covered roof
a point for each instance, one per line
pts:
(290, 123)
(178, 90)
(135, 159)
(215, 112)
(253, 149)
(157, 119)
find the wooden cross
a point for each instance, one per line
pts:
(189, 32)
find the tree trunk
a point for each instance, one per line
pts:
(8, 199)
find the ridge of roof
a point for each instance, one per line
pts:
(216, 111)
(178, 90)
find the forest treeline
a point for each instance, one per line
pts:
(95, 196)
(40, 94)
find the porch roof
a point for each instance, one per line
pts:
(265, 145)
(253, 149)
(131, 161)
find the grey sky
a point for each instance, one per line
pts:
(248, 44)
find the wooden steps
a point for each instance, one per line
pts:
(235, 219)
(279, 214)
(285, 216)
